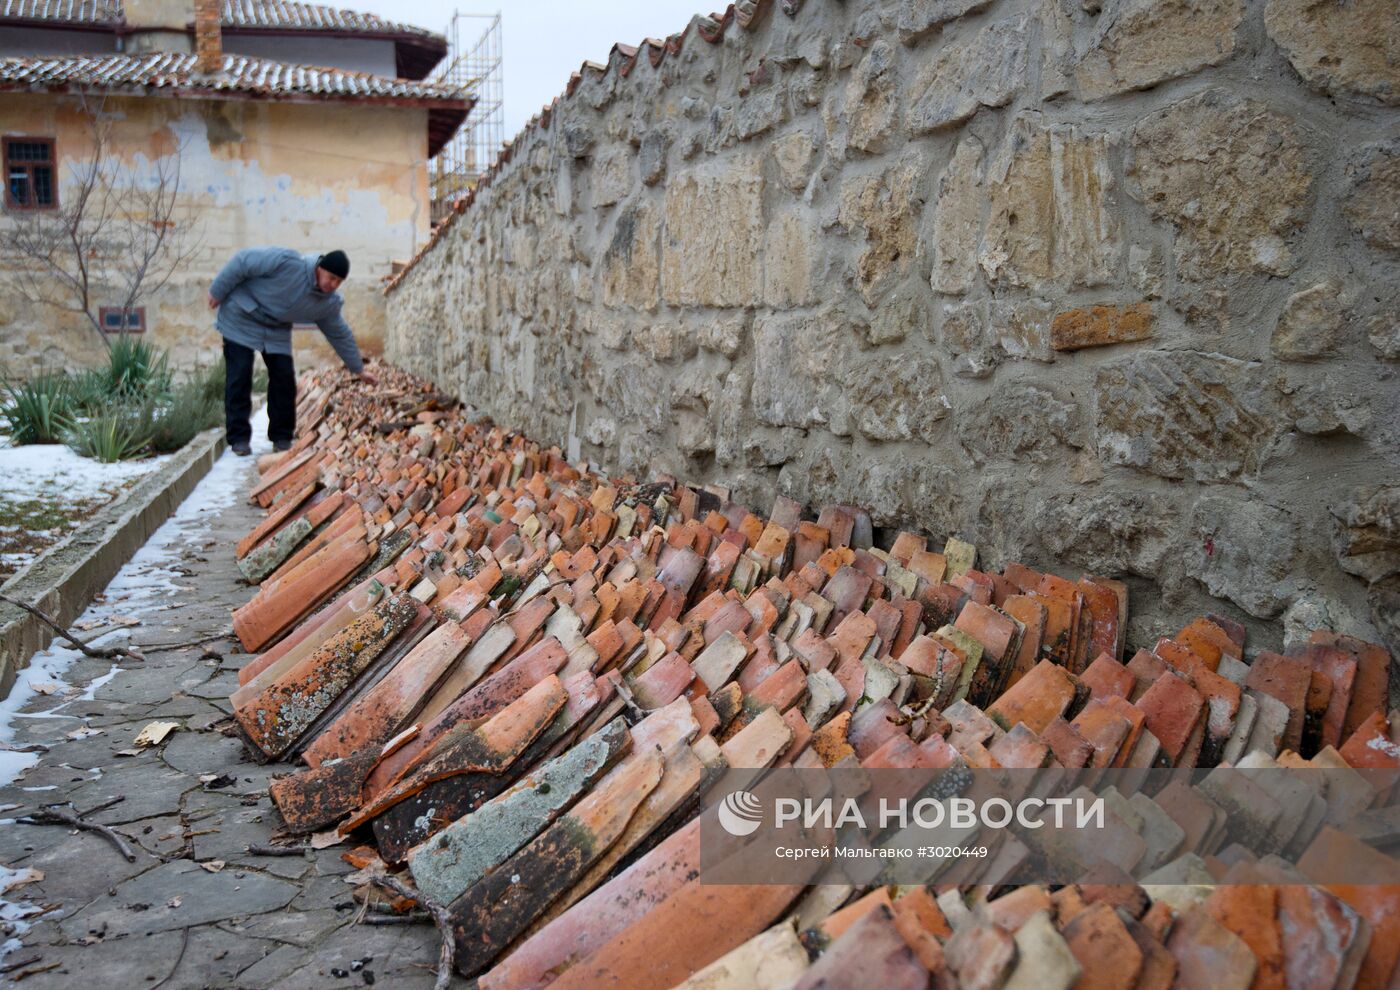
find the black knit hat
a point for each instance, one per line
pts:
(335, 262)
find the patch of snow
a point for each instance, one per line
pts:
(139, 588)
(36, 470)
(1384, 746)
(13, 913)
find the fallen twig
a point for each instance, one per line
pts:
(19, 964)
(259, 849)
(95, 652)
(34, 970)
(103, 806)
(110, 652)
(413, 918)
(184, 944)
(441, 919)
(168, 647)
(55, 815)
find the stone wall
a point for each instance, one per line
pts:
(1107, 288)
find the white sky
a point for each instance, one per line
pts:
(545, 40)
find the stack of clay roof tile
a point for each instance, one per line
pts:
(517, 679)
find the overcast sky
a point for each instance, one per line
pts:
(545, 40)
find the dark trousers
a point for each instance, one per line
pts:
(238, 394)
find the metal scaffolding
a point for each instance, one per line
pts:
(478, 69)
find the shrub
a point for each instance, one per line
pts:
(211, 379)
(260, 380)
(136, 369)
(118, 431)
(39, 410)
(191, 409)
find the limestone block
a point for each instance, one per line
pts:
(1245, 551)
(793, 155)
(665, 340)
(1022, 328)
(1367, 532)
(631, 275)
(1186, 414)
(896, 319)
(885, 208)
(1140, 43)
(1022, 422)
(957, 220)
(724, 335)
(1052, 218)
(917, 17)
(984, 71)
(713, 238)
(1230, 174)
(796, 357)
(1108, 532)
(966, 337)
(792, 253)
(758, 113)
(651, 157)
(1372, 206)
(1056, 49)
(1383, 331)
(1311, 323)
(898, 397)
(864, 114)
(1347, 48)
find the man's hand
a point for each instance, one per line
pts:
(213, 303)
(368, 377)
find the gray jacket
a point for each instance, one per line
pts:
(263, 291)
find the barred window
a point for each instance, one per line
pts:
(29, 174)
(115, 321)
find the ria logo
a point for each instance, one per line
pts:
(740, 813)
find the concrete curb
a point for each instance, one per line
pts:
(64, 578)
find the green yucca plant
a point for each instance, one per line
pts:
(39, 410)
(136, 368)
(91, 390)
(117, 432)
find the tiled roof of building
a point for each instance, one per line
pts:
(96, 12)
(417, 49)
(253, 14)
(242, 75)
(280, 14)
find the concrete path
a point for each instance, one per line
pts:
(194, 909)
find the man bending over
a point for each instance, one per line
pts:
(260, 294)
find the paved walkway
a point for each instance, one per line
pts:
(194, 909)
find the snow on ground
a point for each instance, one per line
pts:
(37, 469)
(139, 588)
(46, 490)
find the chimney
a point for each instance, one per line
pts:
(208, 42)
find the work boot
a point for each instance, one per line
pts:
(282, 445)
(242, 449)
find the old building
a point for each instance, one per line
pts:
(289, 124)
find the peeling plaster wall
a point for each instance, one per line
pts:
(307, 176)
(1108, 290)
